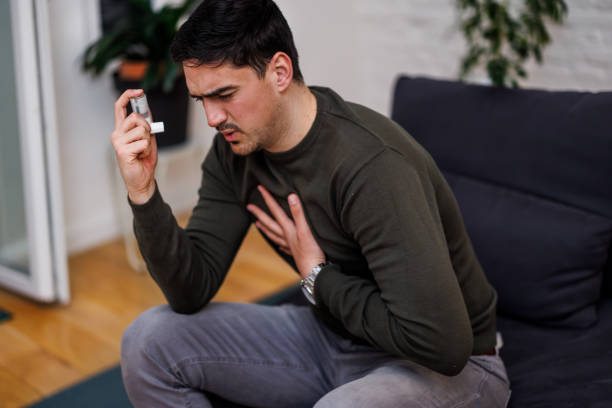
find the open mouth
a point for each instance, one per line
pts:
(230, 136)
(231, 133)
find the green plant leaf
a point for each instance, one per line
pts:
(497, 69)
(171, 74)
(520, 45)
(520, 71)
(151, 77)
(537, 53)
(502, 42)
(471, 24)
(471, 59)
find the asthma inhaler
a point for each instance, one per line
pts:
(141, 106)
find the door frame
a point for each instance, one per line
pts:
(47, 279)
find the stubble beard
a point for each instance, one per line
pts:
(262, 138)
(244, 148)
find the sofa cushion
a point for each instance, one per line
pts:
(543, 257)
(559, 368)
(531, 172)
(607, 279)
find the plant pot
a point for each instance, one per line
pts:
(132, 70)
(170, 108)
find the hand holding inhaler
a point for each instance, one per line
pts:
(135, 145)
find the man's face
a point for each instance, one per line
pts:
(238, 103)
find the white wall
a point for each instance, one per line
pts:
(357, 47)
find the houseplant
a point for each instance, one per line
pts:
(502, 36)
(140, 43)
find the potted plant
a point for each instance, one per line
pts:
(140, 41)
(502, 36)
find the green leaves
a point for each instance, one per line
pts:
(144, 34)
(503, 42)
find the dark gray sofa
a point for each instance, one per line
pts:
(532, 172)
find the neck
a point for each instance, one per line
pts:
(298, 112)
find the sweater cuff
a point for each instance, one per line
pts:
(329, 278)
(149, 212)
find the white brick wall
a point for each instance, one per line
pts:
(581, 54)
(422, 37)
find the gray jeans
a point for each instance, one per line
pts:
(282, 356)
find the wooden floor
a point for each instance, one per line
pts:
(46, 348)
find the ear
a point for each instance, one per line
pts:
(281, 68)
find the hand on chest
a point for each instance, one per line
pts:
(319, 215)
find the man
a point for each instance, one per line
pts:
(402, 314)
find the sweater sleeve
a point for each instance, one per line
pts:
(414, 308)
(189, 265)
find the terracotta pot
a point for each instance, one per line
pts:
(132, 70)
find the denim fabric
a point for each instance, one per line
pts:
(282, 356)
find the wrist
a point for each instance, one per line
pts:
(306, 267)
(308, 283)
(142, 196)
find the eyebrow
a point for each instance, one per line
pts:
(216, 92)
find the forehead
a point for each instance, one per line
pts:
(206, 78)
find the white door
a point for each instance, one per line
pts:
(32, 244)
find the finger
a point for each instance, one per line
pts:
(149, 150)
(135, 120)
(286, 250)
(277, 212)
(134, 150)
(121, 103)
(136, 129)
(278, 240)
(154, 145)
(133, 135)
(297, 213)
(265, 219)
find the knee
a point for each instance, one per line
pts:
(385, 387)
(148, 333)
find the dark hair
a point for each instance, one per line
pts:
(243, 32)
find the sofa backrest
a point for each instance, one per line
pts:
(532, 173)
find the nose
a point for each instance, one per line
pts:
(215, 114)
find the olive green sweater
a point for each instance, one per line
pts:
(404, 276)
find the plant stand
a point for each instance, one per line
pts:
(166, 158)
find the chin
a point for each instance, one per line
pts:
(244, 149)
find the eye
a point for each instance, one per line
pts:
(197, 98)
(226, 96)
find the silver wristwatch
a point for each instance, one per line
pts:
(309, 281)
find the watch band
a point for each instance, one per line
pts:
(308, 282)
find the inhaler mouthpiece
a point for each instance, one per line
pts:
(157, 127)
(141, 106)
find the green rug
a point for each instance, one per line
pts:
(101, 391)
(4, 315)
(106, 389)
